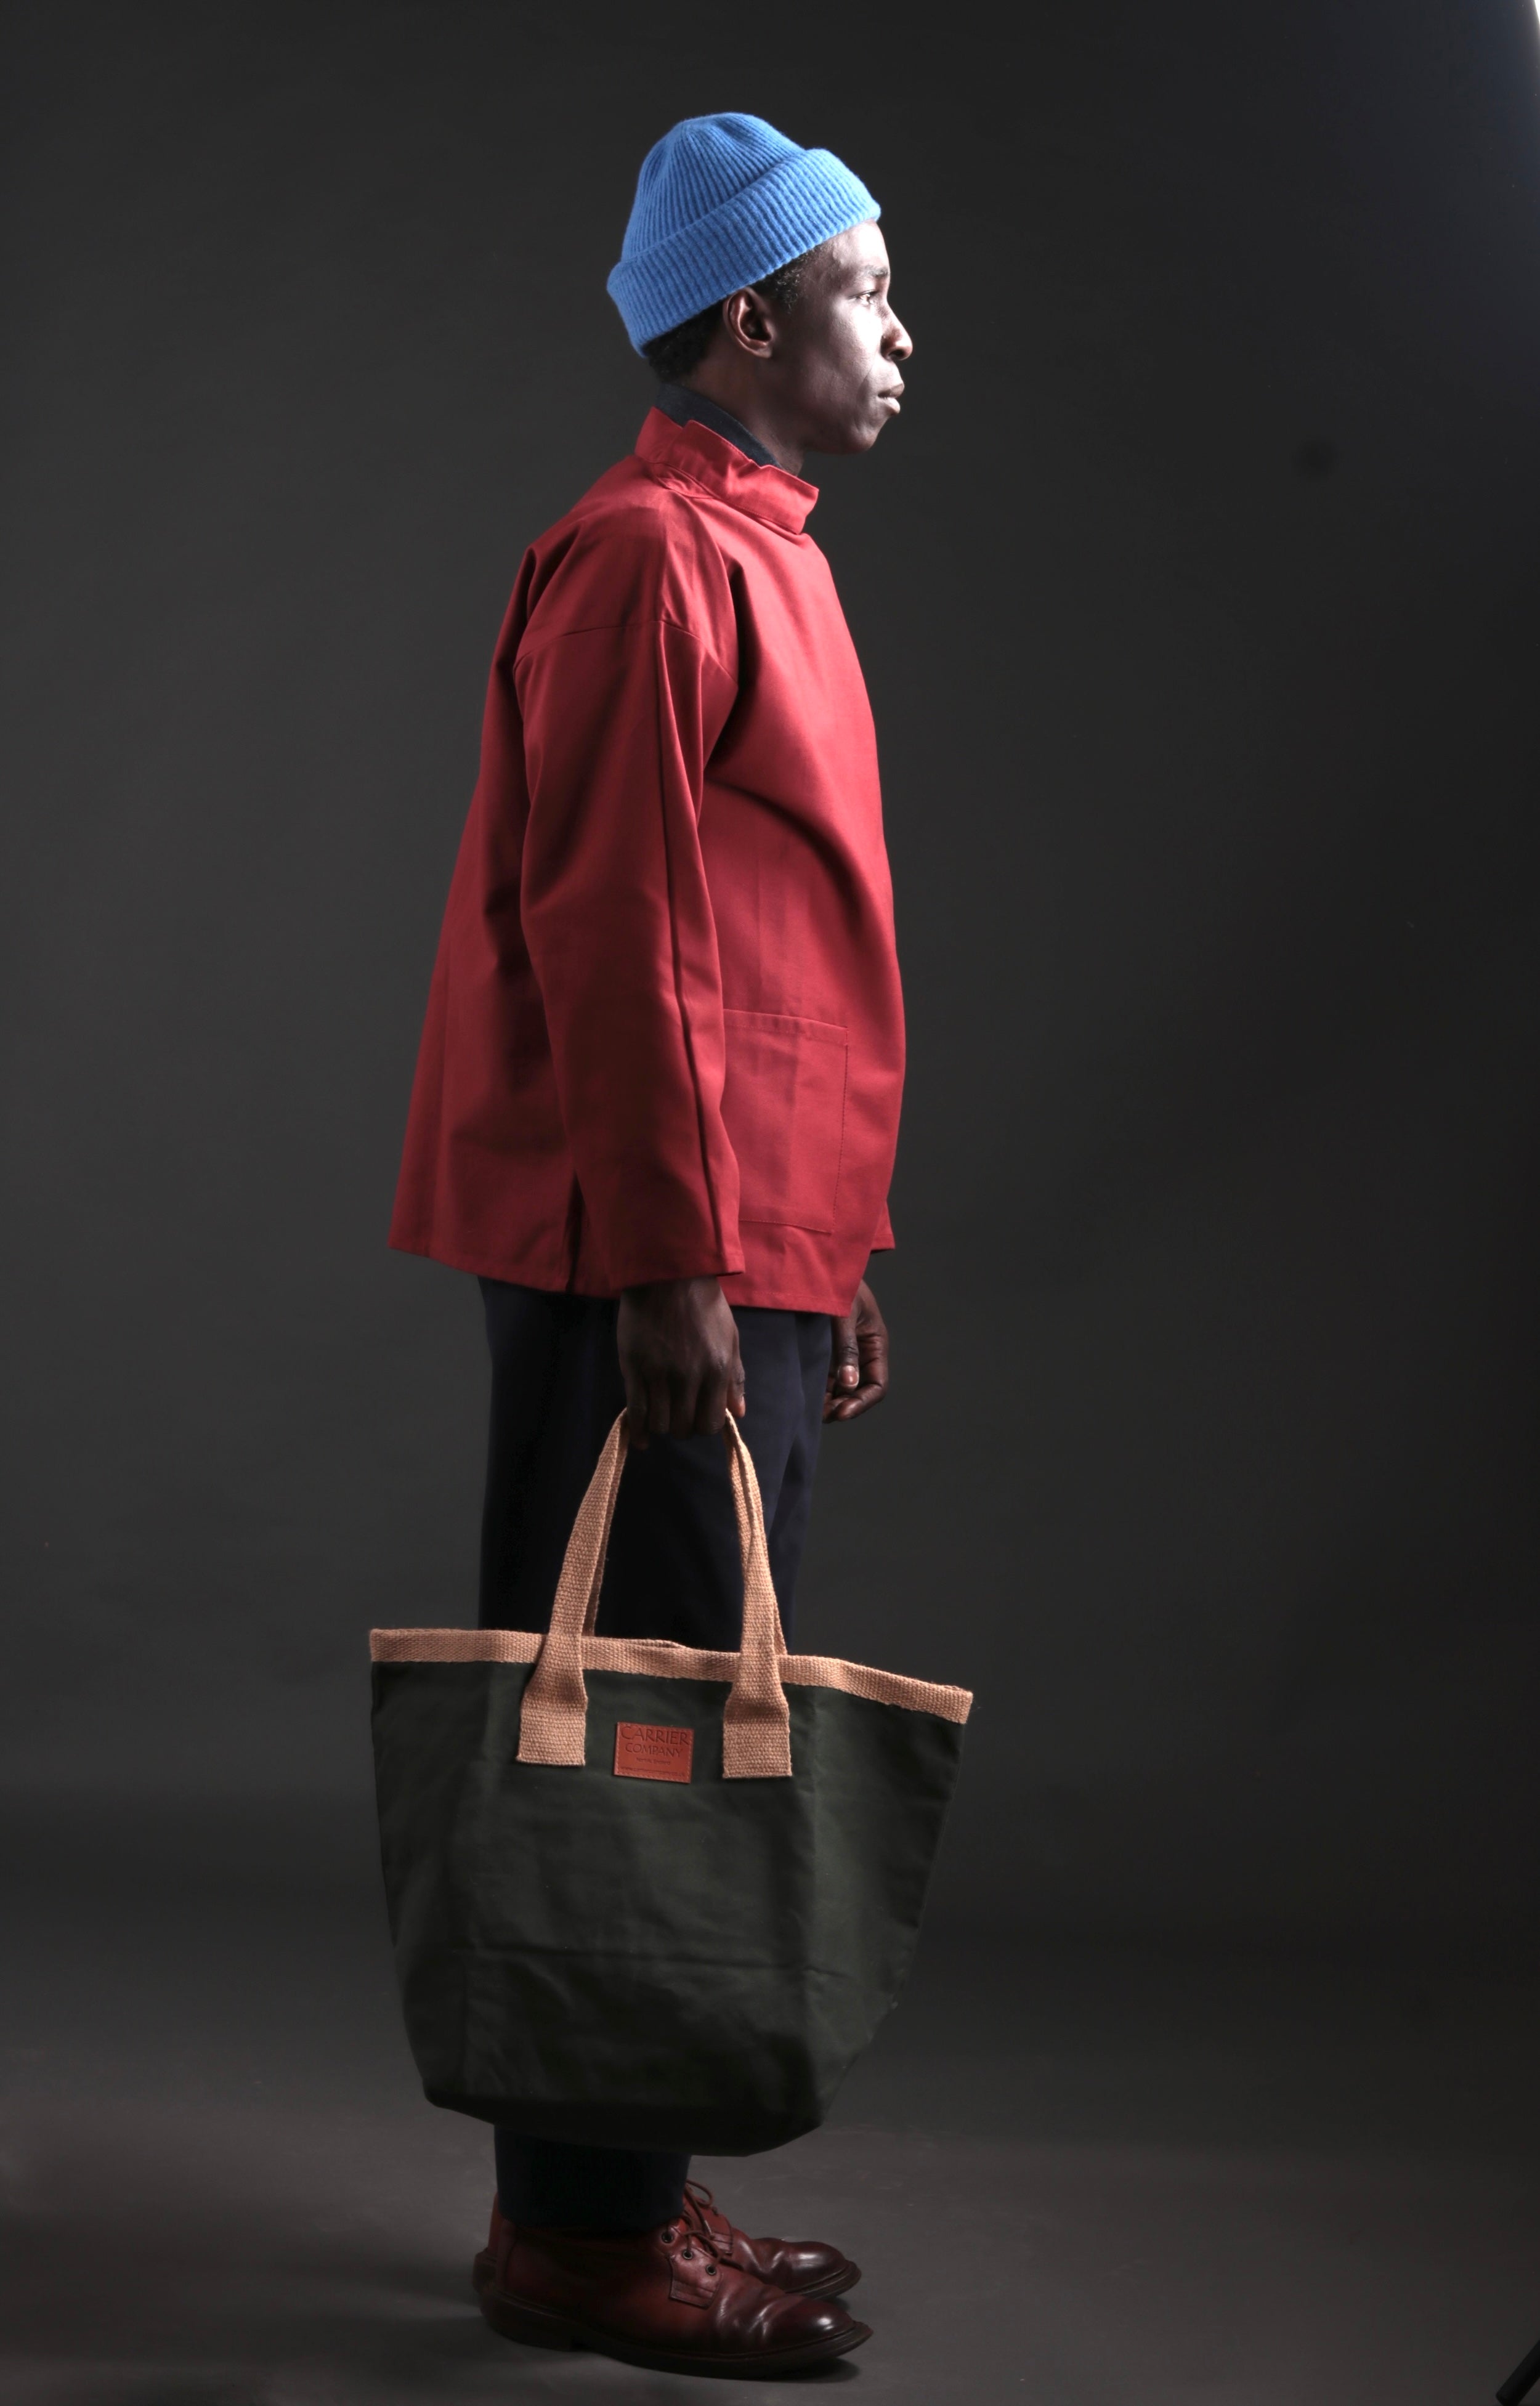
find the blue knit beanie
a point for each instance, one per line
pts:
(721, 202)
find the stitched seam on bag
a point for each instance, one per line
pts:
(638, 1658)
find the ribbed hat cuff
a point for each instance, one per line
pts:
(803, 201)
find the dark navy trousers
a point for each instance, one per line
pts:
(672, 1571)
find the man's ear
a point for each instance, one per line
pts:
(748, 323)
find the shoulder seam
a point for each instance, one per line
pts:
(608, 626)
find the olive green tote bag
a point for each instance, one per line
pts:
(640, 1894)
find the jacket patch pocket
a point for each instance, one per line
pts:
(783, 1105)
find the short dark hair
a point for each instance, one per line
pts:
(680, 351)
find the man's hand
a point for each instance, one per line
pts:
(858, 1374)
(679, 1358)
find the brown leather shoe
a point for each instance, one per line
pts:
(809, 2266)
(656, 2298)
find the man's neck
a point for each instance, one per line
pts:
(721, 382)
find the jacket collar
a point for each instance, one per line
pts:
(676, 401)
(695, 455)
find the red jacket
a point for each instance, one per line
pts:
(665, 1034)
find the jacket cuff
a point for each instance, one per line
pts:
(648, 1265)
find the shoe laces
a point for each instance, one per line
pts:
(706, 2217)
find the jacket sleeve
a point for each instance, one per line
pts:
(618, 724)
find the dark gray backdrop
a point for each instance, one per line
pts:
(1198, 595)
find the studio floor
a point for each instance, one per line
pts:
(1077, 2175)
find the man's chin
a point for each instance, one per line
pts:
(846, 444)
(875, 422)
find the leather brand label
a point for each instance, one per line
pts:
(645, 1753)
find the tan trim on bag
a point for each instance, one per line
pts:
(660, 1658)
(756, 1722)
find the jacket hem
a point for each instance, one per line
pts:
(753, 1290)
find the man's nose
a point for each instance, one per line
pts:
(896, 342)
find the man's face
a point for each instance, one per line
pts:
(837, 353)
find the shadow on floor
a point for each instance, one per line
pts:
(1082, 2176)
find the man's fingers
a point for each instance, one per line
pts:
(692, 1401)
(720, 1395)
(843, 1403)
(727, 1396)
(638, 1407)
(665, 1406)
(711, 1408)
(873, 1384)
(844, 1369)
(680, 1359)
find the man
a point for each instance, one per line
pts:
(658, 1097)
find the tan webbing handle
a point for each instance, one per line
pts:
(757, 1726)
(554, 1714)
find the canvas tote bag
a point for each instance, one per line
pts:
(643, 1894)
